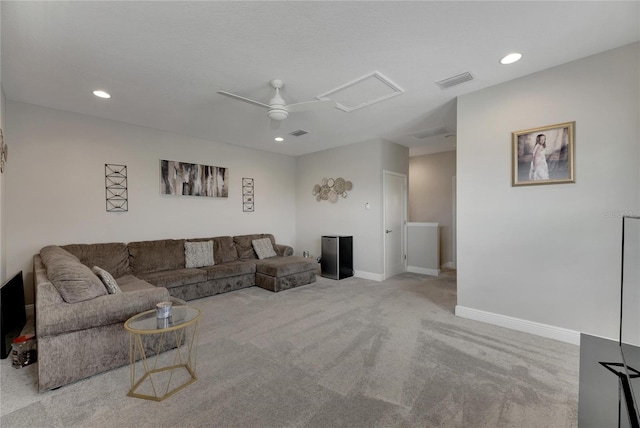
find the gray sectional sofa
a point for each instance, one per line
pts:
(80, 326)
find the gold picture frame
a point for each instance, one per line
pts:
(543, 155)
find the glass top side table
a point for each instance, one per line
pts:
(149, 337)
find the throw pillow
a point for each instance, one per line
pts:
(198, 254)
(263, 248)
(107, 279)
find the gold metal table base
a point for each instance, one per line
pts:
(168, 393)
(184, 360)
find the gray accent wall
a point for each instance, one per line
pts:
(550, 254)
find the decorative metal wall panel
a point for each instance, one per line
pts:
(117, 194)
(248, 196)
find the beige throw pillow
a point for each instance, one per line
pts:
(198, 254)
(107, 279)
(263, 248)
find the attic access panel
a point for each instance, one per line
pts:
(362, 92)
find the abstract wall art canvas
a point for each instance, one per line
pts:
(181, 178)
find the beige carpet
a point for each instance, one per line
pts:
(349, 353)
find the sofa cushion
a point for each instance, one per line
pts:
(112, 257)
(65, 318)
(74, 281)
(107, 279)
(50, 253)
(244, 244)
(283, 266)
(154, 256)
(131, 283)
(198, 254)
(224, 249)
(230, 269)
(175, 277)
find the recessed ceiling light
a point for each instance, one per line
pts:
(511, 58)
(279, 139)
(101, 94)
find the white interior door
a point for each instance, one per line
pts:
(395, 209)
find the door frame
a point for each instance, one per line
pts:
(404, 195)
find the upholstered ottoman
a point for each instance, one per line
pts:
(282, 273)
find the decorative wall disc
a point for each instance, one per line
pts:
(331, 189)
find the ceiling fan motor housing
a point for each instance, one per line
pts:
(277, 110)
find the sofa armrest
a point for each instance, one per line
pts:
(61, 317)
(283, 250)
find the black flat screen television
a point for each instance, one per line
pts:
(13, 315)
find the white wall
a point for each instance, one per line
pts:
(395, 158)
(362, 164)
(550, 254)
(55, 188)
(431, 196)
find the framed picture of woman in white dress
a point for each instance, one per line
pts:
(544, 155)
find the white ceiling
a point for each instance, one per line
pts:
(164, 61)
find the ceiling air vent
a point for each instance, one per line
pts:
(455, 80)
(298, 133)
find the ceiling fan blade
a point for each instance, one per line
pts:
(275, 124)
(311, 105)
(246, 100)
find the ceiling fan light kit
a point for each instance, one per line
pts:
(277, 113)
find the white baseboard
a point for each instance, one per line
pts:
(449, 265)
(544, 330)
(423, 271)
(368, 275)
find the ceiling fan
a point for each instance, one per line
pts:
(277, 109)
